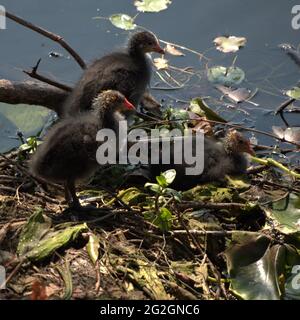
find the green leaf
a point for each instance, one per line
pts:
(173, 193)
(66, 275)
(33, 231)
(229, 44)
(93, 247)
(254, 267)
(132, 196)
(286, 215)
(227, 76)
(153, 187)
(169, 176)
(294, 93)
(152, 5)
(162, 219)
(165, 219)
(122, 21)
(198, 106)
(54, 240)
(162, 181)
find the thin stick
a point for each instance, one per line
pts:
(284, 105)
(33, 74)
(49, 35)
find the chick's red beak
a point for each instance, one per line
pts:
(128, 105)
(159, 49)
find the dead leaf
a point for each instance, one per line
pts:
(236, 95)
(173, 51)
(38, 291)
(291, 134)
(161, 63)
(229, 44)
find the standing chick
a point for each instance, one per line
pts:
(68, 153)
(128, 72)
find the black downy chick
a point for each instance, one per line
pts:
(68, 153)
(221, 157)
(128, 72)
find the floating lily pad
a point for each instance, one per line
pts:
(227, 76)
(152, 5)
(229, 44)
(122, 21)
(254, 267)
(28, 119)
(294, 93)
(286, 214)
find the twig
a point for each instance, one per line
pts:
(284, 105)
(196, 205)
(49, 35)
(274, 163)
(33, 74)
(205, 232)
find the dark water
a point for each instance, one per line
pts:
(191, 23)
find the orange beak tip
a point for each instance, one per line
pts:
(129, 105)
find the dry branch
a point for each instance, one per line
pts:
(33, 93)
(55, 37)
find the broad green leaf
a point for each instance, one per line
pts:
(165, 219)
(254, 267)
(227, 76)
(169, 176)
(294, 93)
(162, 219)
(286, 215)
(198, 106)
(33, 231)
(162, 181)
(229, 44)
(53, 240)
(153, 187)
(65, 273)
(92, 247)
(131, 196)
(152, 5)
(122, 21)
